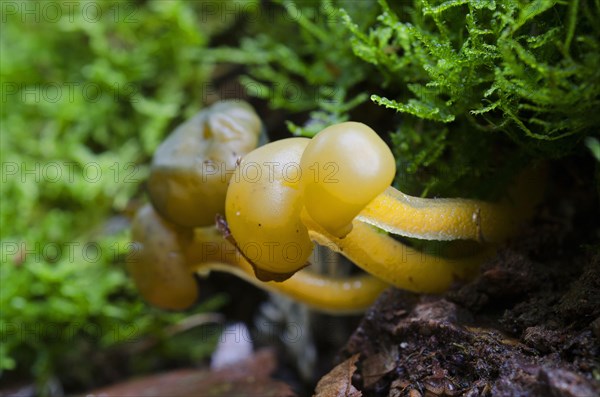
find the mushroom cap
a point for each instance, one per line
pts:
(192, 167)
(157, 262)
(345, 167)
(263, 207)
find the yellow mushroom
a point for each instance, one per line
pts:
(334, 210)
(344, 167)
(192, 167)
(263, 205)
(364, 168)
(288, 194)
(157, 264)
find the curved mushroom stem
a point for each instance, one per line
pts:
(432, 219)
(438, 219)
(346, 295)
(165, 256)
(352, 294)
(453, 219)
(390, 260)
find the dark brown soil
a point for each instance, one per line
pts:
(528, 326)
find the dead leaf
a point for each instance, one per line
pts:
(338, 382)
(377, 366)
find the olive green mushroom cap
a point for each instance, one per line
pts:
(192, 167)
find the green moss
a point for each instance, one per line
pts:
(86, 98)
(482, 87)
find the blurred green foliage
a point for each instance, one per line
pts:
(299, 59)
(88, 91)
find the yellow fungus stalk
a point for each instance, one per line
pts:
(387, 259)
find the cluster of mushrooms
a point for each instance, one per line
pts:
(279, 199)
